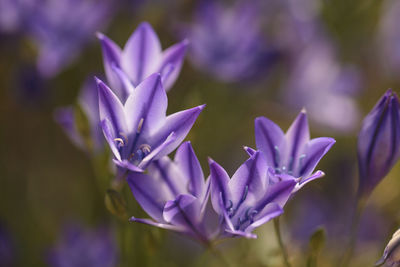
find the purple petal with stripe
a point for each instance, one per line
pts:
(157, 224)
(219, 186)
(278, 193)
(141, 53)
(270, 212)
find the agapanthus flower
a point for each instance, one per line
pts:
(138, 130)
(291, 155)
(141, 57)
(84, 247)
(379, 142)
(391, 255)
(227, 42)
(324, 86)
(175, 195)
(89, 136)
(250, 198)
(61, 28)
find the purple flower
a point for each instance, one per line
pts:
(61, 28)
(249, 199)
(292, 155)
(138, 130)
(90, 138)
(391, 254)
(82, 247)
(227, 42)
(174, 194)
(325, 87)
(379, 142)
(141, 57)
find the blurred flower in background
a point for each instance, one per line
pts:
(82, 122)
(227, 42)
(14, 14)
(62, 28)
(78, 246)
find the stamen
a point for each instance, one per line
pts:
(121, 142)
(145, 148)
(302, 156)
(291, 163)
(246, 190)
(140, 125)
(277, 156)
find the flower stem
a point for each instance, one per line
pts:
(280, 241)
(358, 210)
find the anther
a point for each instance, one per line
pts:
(246, 190)
(140, 125)
(277, 156)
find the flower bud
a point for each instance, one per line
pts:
(378, 142)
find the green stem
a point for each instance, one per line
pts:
(280, 241)
(358, 210)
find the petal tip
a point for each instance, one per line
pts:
(100, 36)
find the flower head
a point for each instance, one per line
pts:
(227, 42)
(292, 155)
(138, 130)
(249, 199)
(141, 57)
(80, 247)
(379, 142)
(174, 194)
(89, 136)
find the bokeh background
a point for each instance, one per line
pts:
(245, 59)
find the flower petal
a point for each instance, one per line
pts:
(151, 192)
(110, 108)
(314, 151)
(66, 119)
(250, 151)
(183, 211)
(303, 182)
(180, 123)
(269, 137)
(110, 135)
(147, 106)
(296, 137)
(268, 213)
(141, 53)
(111, 56)
(125, 85)
(158, 152)
(156, 224)
(219, 186)
(189, 165)
(171, 63)
(278, 193)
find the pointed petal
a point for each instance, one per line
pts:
(268, 213)
(156, 224)
(296, 137)
(303, 182)
(110, 135)
(125, 164)
(125, 85)
(249, 181)
(219, 186)
(269, 137)
(150, 192)
(189, 165)
(171, 63)
(141, 53)
(111, 56)
(183, 211)
(148, 102)
(241, 234)
(314, 151)
(159, 152)
(110, 108)
(250, 151)
(180, 123)
(278, 193)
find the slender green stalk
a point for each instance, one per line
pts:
(358, 210)
(280, 241)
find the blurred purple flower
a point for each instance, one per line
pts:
(13, 14)
(7, 253)
(87, 248)
(249, 199)
(61, 28)
(389, 36)
(175, 195)
(227, 42)
(91, 138)
(318, 82)
(138, 130)
(293, 156)
(141, 57)
(379, 142)
(391, 255)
